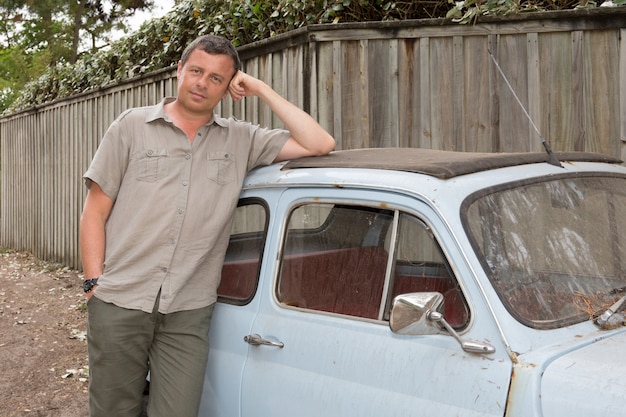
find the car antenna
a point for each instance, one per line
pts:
(552, 159)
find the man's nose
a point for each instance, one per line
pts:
(202, 81)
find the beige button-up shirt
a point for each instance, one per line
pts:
(173, 204)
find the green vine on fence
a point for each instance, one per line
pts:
(468, 11)
(159, 42)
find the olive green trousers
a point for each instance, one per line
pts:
(123, 345)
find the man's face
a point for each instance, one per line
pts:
(203, 81)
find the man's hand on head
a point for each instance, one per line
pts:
(243, 85)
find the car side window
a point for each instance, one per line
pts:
(334, 259)
(240, 271)
(420, 266)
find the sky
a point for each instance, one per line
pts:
(161, 8)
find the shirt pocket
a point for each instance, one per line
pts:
(152, 165)
(220, 167)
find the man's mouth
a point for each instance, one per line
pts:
(198, 94)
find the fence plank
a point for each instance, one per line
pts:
(622, 90)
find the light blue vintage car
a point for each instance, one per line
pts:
(411, 282)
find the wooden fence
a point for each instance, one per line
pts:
(426, 83)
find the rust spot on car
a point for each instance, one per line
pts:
(510, 393)
(514, 391)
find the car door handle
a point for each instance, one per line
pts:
(256, 340)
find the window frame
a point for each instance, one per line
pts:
(385, 303)
(241, 301)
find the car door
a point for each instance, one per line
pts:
(321, 342)
(237, 306)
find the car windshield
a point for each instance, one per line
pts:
(555, 251)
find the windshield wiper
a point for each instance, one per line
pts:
(603, 320)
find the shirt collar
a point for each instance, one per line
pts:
(158, 112)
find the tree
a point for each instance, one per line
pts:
(36, 35)
(98, 17)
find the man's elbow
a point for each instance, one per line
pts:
(326, 145)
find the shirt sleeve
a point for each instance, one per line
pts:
(265, 146)
(110, 160)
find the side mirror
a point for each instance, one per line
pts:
(420, 314)
(409, 313)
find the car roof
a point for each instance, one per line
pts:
(436, 163)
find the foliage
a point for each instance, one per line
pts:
(159, 42)
(467, 11)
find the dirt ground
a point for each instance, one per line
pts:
(43, 351)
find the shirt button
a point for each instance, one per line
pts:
(180, 211)
(187, 156)
(163, 269)
(184, 183)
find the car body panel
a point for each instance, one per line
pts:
(594, 374)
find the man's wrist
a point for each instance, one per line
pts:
(89, 284)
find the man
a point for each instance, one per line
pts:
(163, 186)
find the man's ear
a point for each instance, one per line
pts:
(179, 69)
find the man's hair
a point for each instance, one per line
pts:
(214, 45)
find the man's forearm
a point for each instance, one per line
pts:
(92, 230)
(303, 128)
(92, 246)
